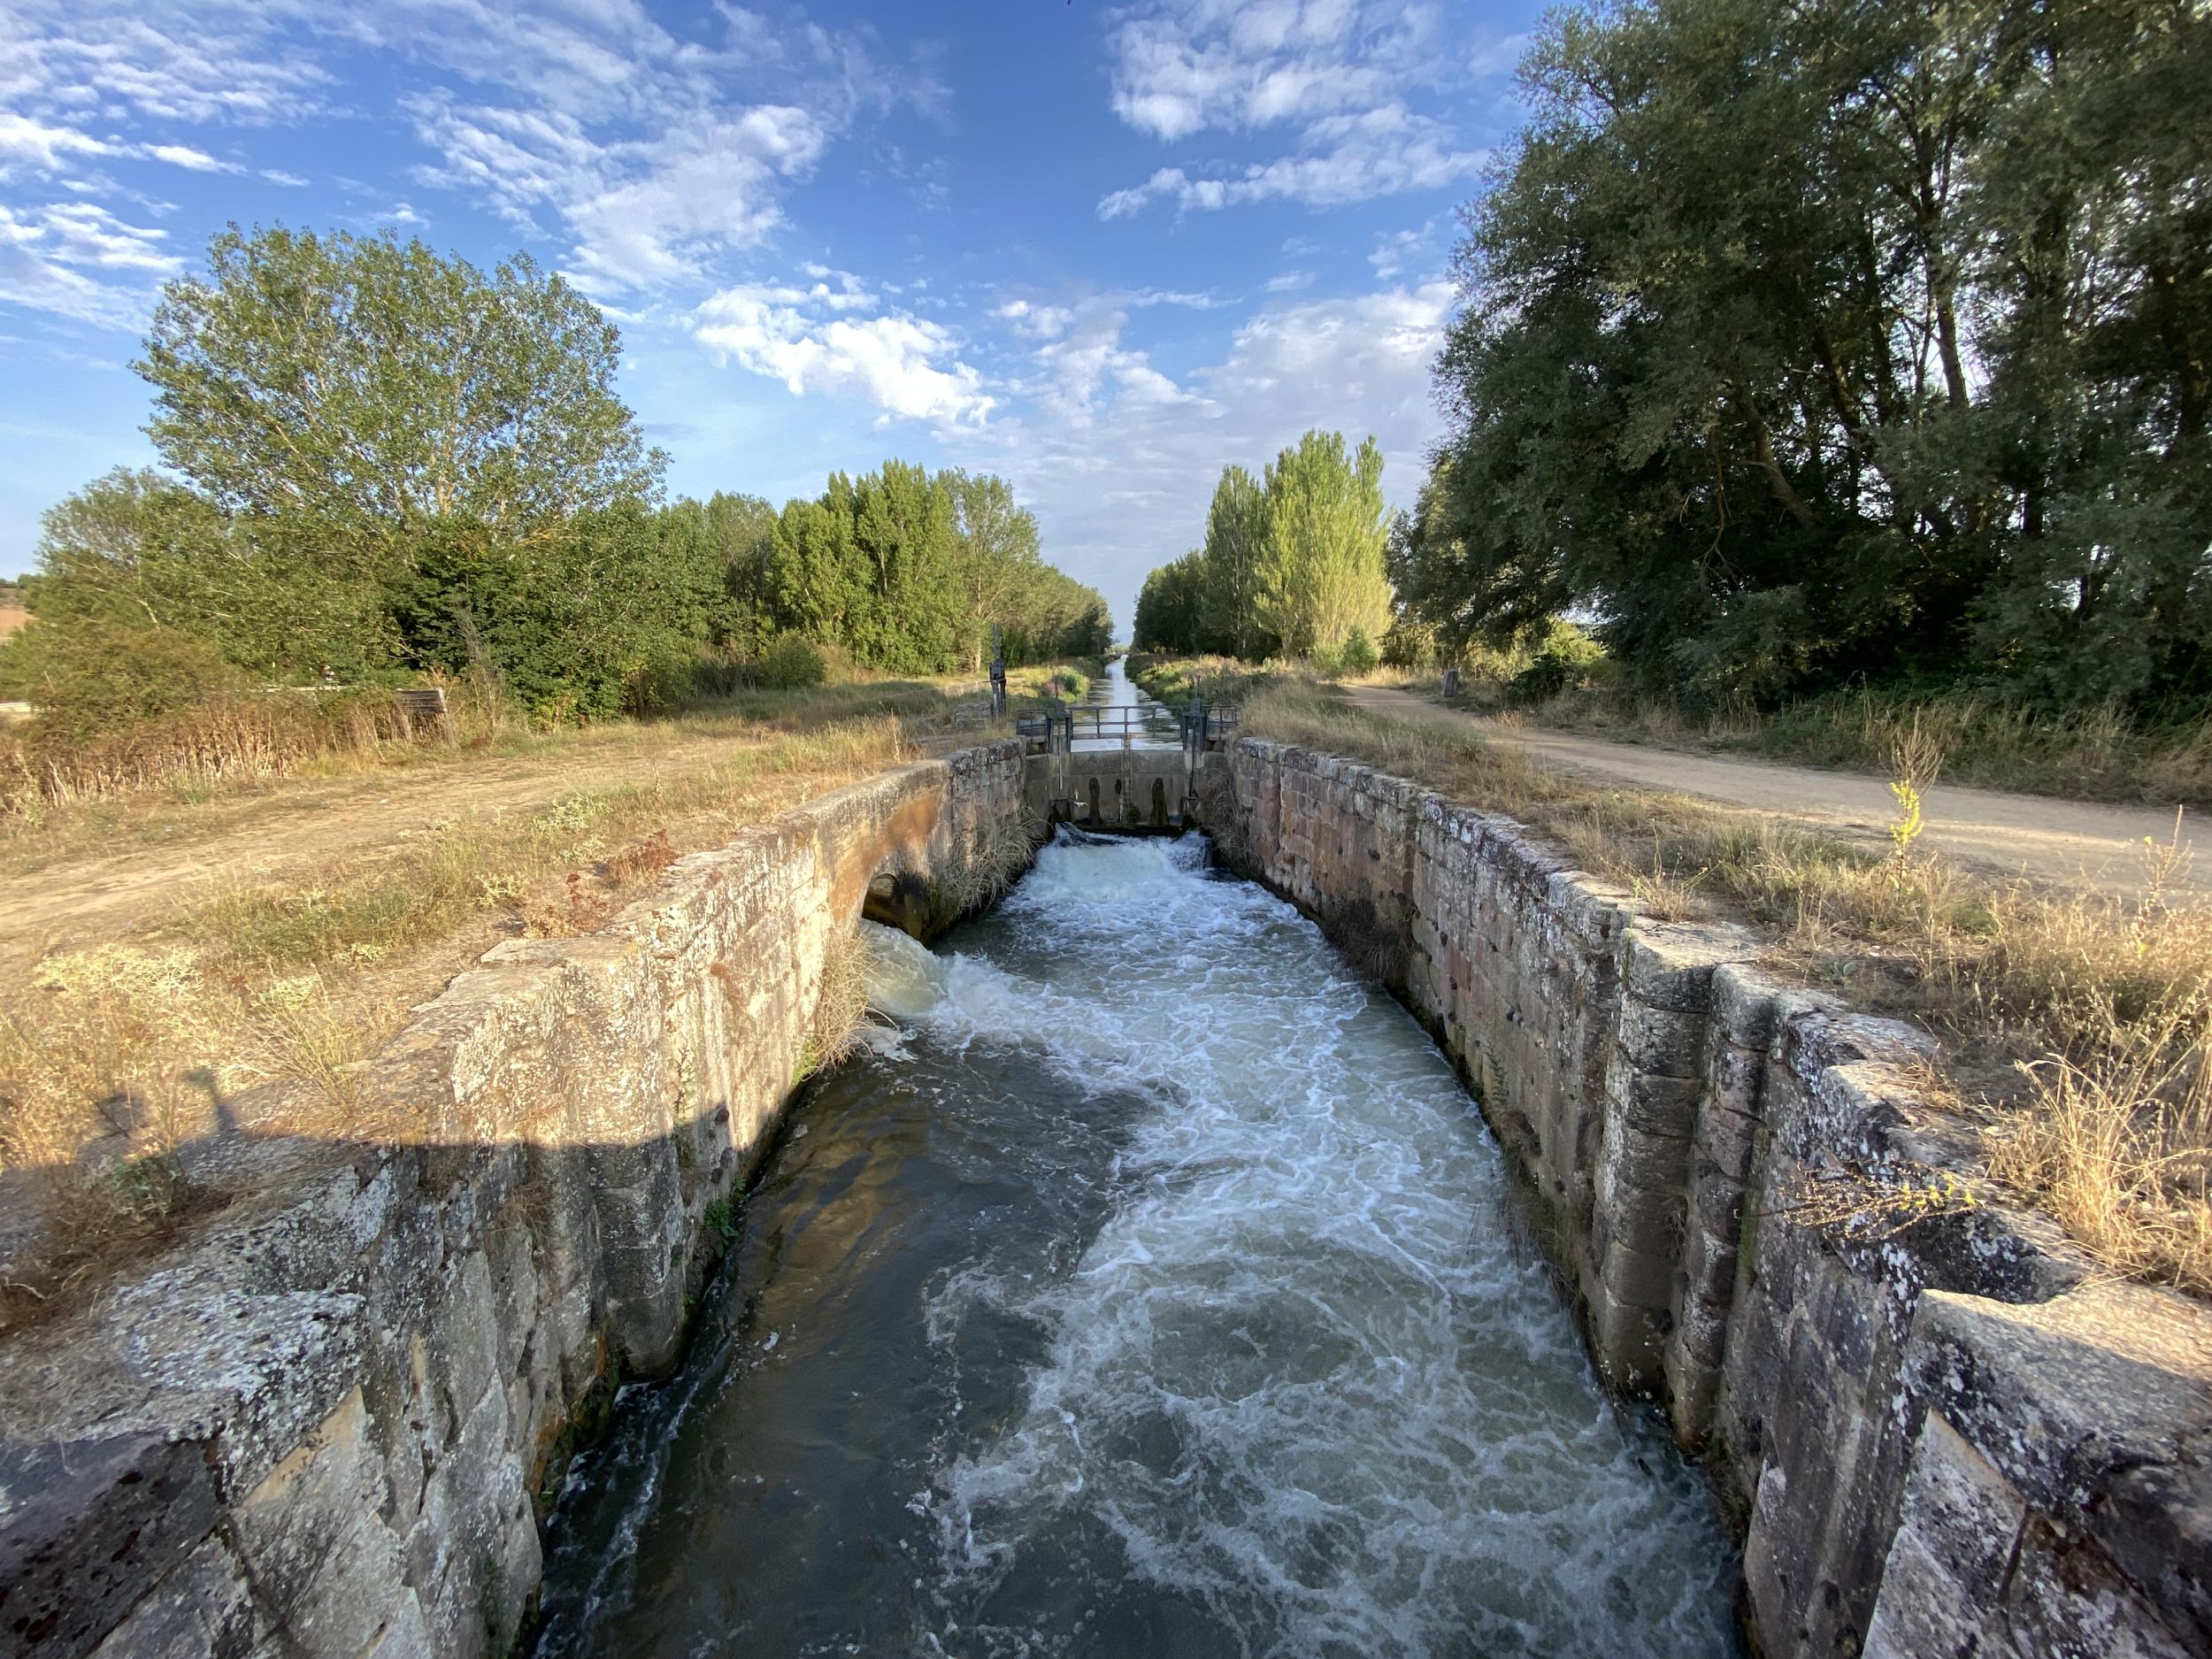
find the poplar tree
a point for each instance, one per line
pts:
(1321, 571)
(1234, 553)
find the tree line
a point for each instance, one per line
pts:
(1293, 563)
(1812, 344)
(378, 463)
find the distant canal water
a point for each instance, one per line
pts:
(1153, 724)
(1149, 1288)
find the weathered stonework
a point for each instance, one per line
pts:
(319, 1427)
(1949, 1440)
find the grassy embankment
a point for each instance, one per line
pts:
(111, 1057)
(2074, 1028)
(2091, 753)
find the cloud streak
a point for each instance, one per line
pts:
(1339, 73)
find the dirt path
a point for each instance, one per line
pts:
(2069, 843)
(66, 899)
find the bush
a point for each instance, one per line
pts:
(95, 677)
(1566, 662)
(793, 662)
(1359, 653)
(1410, 645)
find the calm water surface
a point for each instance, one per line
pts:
(1151, 1287)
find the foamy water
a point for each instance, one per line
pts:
(1226, 1340)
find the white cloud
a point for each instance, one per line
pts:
(644, 149)
(1400, 250)
(1183, 67)
(655, 155)
(158, 59)
(816, 340)
(26, 142)
(1121, 484)
(1089, 370)
(1289, 282)
(1350, 159)
(192, 160)
(1036, 322)
(1344, 74)
(46, 253)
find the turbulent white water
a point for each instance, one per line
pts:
(1301, 1381)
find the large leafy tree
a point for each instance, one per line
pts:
(367, 387)
(1172, 608)
(1898, 364)
(996, 560)
(742, 528)
(134, 549)
(1293, 561)
(906, 571)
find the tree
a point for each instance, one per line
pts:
(1235, 552)
(1170, 607)
(1321, 571)
(906, 571)
(1924, 391)
(603, 618)
(869, 568)
(133, 548)
(362, 387)
(996, 556)
(742, 528)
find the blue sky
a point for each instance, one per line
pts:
(1101, 250)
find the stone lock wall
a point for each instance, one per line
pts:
(318, 1428)
(1948, 1438)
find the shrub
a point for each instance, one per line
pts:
(1359, 653)
(1566, 662)
(96, 677)
(1409, 644)
(793, 662)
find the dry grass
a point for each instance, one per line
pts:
(841, 1007)
(225, 745)
(2095, 753)
(2098, 1009)
(110, 1059)
(244, 746)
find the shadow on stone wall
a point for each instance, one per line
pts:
(321, 1422)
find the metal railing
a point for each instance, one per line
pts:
(1124, 724)
(1196, 725)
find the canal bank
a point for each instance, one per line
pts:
(324, 1424)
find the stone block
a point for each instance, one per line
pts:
(1958, 1528)
(2097, 1407)
(203, 1609)
(1670, 965)
(1666, 1041)
(88, 1528)
(311, 1541)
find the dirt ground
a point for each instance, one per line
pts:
(2062, 843)
(161, 856)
